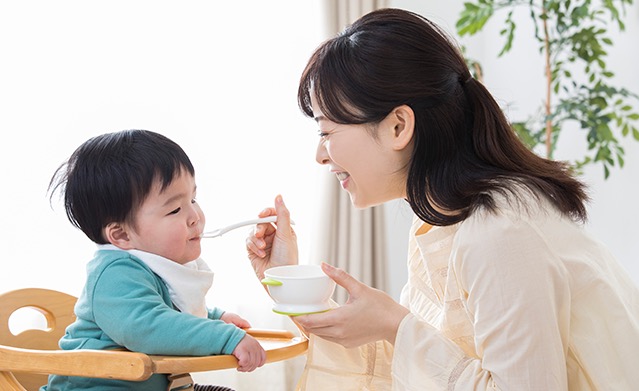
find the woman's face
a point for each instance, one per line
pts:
(371, 169)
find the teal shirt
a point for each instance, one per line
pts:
(125, 305)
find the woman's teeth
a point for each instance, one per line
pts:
(342, 175)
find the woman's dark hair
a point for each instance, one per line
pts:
(109, 176)
(464, 147)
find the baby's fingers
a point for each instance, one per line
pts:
(251, 362)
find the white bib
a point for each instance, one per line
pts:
(188, 283)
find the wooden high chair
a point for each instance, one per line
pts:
(28, 357)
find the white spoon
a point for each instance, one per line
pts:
(221, 231)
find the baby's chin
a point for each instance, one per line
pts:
(187, 259)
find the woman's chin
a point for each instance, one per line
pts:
(358, 202)
(364, 203)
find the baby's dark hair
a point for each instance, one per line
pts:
(109, 176)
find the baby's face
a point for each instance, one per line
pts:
(169, 222)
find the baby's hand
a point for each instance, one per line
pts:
(229, 317)
(249, 354)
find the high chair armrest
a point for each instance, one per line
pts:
(121, 365)
(279, 345)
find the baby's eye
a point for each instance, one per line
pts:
(174, 211)
(193, 201)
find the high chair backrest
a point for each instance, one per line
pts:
(56, 308)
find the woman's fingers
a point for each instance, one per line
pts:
(316, 323)
(342, 278)
(271, 245)
(267, 212)
(255, 246)
(332, 325)
(283, 216)
(260, 236)
(313, 322)
(263, 230)
(368, 315)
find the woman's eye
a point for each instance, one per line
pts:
(322, 134)
(174, 211)
(193, 201)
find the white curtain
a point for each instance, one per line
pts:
(349, 238)
(338, 14)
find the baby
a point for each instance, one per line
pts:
(133, 194)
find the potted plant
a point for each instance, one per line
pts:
(573, 38)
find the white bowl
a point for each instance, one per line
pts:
(299, 289)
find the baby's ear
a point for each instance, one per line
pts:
(117, 235)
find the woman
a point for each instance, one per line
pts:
(505, 290)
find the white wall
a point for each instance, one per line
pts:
(516, 80)
(218, 77)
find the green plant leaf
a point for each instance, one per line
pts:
(574, 33)
(473, 18)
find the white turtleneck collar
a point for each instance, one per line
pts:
(187, 283)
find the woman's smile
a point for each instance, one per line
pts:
(343, 177)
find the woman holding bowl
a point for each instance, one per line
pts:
(505, 291)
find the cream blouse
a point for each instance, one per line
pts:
(521, 299)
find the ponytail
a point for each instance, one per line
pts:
(496, 143)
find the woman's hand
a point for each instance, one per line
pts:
(268, 246)
(368, 315)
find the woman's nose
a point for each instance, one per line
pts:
(321, 155)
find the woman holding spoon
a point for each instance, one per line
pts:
(505, 291)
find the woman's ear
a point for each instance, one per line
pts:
(403, 118)
(117, 235)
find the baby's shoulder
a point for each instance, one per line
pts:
(115, 266)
